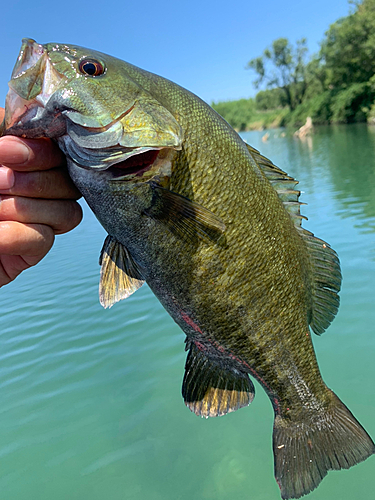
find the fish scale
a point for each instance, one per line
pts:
(214, 228)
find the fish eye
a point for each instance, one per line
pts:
(91, 67)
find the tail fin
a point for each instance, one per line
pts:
(306, 450)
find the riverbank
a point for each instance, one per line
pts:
(243, 116)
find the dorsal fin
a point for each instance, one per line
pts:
(326, 271)
(326, 281)
(283, 184)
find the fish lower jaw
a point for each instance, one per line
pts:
(29, 119)
(18, 111)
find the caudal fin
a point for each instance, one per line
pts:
(306, 450)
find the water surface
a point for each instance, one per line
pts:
(90, 398)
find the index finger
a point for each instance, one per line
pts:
(29, 154)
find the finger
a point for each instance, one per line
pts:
(10, 267)
(22, 246)
(61, 215)
(54, 183)
(29, 154)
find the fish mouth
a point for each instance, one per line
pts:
(123, 143)
(33, 82)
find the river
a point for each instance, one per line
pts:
(91, 405)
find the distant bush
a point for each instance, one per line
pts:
(321, 107)
(353, 103)
(243, 115)
(318, 107)
(237, 113)
(270, 99)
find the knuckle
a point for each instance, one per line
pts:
(44, 240)
(71, 217)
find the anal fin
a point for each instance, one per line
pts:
(211, 390)
(119, 274)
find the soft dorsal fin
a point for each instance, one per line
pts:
(325, 262)
(326, 281)
(211, 390)
(119, 275)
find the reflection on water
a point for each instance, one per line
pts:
(90, 398)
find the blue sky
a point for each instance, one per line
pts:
(202, 45)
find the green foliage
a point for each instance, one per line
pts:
(270, 99)
(317, 107)
(336, 85)
(243, 115)
(348, 50)
(352, 103)
(371, 115)
(237, 113)
(282, 67)
(320, 110)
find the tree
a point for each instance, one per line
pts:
(282, 66)
(270, 99)
(348, 50)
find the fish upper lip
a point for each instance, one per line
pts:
(30, 54)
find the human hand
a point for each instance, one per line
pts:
(37, 201)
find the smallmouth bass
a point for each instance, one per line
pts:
(214, 228)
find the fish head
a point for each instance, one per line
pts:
(88, 102)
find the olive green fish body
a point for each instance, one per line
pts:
(214, 229)
(247, 294)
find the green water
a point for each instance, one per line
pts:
(90, 398)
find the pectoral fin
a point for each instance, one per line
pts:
(183, 217)
(119, 275)
(210, 390)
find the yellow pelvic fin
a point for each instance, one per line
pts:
(119, 274)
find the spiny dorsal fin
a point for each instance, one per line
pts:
(183, 217)
(119, 274)
(325, 262)
(210, 390)
(283, 184)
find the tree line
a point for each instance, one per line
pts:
(337, 85)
